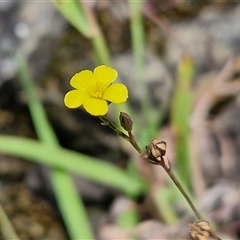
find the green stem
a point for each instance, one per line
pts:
(129, 138)
(110, 124)
(133, 141)
(213, 235)
(181, 189)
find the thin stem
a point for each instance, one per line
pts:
(134, 142)
(213, 235)
(109, 123)
(179, 186)
(129, 138)
(167, 168)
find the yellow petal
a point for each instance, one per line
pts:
(82, 79)
(116, 93)
(104, 76)
(96, 107)
(74, 98)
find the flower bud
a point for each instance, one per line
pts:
(126, 121)
(156, 149)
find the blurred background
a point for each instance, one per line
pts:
(178, 40)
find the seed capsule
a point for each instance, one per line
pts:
(200, 230)
(161, 146)
(156, 149)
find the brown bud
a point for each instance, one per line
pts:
(156, 149)
(126, 121)
(200, 230)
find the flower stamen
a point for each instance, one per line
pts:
(97, 95)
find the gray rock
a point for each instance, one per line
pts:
(211, 38)
(32, 28)
(155, 74)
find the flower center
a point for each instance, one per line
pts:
(97, 95)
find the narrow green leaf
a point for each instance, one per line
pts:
(180, 116)
(64, 189)
(164, 205)
(6, 227)
(83, 165)
(73, 12)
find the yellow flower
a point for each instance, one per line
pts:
(94, 90)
